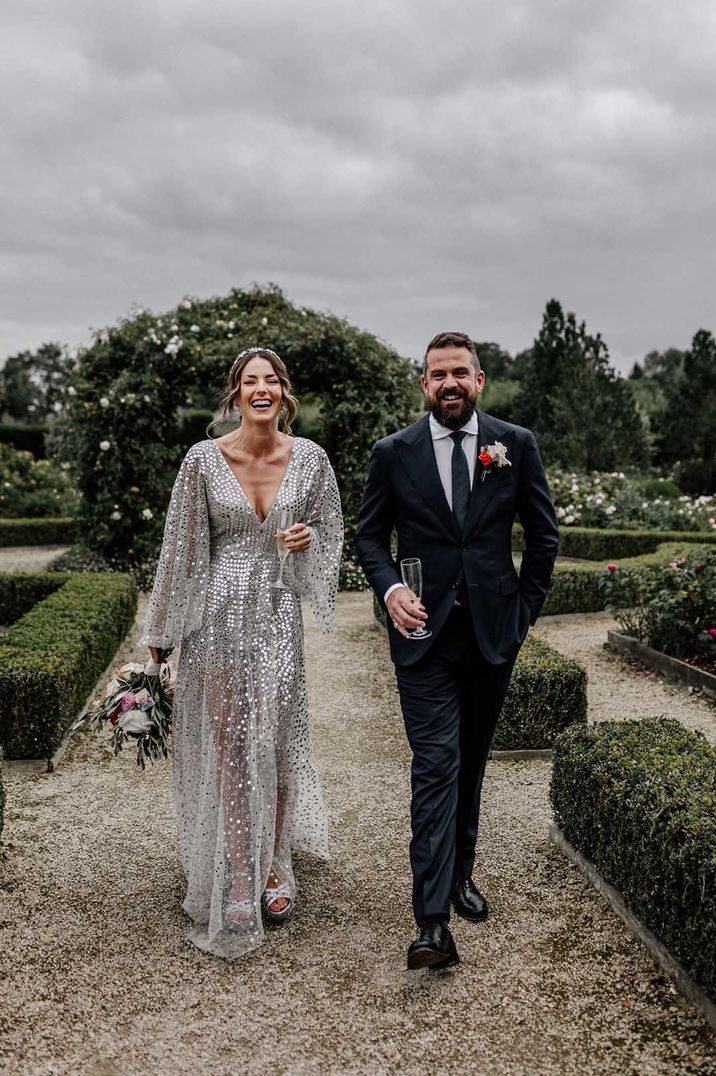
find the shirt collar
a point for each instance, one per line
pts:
(437, 431)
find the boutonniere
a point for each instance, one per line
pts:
(493, 456)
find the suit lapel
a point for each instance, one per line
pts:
(416, 454)
(488, 432)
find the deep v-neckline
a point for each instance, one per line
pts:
(243, 491)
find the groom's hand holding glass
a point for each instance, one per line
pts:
(406, 610)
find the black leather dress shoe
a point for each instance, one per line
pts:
(434, 948)
(468, 901)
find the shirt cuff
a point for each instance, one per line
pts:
(390, 590)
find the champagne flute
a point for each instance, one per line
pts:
(284, 520)
(412, 572)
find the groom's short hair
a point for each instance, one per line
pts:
(452, 340)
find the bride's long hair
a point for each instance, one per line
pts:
(232, 392)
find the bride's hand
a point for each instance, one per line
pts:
(298, 538)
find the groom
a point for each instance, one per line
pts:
(451, 486)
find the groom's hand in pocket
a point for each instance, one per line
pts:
(405, 610)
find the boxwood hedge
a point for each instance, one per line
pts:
(19, 591)
(576, 588)
(51, 657)
(638, 799)
(547, 693)
(59, 531)
(593, 543)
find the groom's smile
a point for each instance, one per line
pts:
(451, 382)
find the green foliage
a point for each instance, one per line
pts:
(689, 425)
(33, 488)
(52, 656)
(81, 559)
(595, 543)
(581, 412)
(638, 799)
(494, 360)
(26, 437)
(20, 591)
(191, 426)
(579, 588)
(32, 383)
(670, 608)
(628, 502)
(60, 531)
(499, 398)
(547, 693)
(130, 383)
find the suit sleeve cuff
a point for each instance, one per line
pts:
(390, 590)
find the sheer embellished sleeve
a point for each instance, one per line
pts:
(178, 598)
(318, 567)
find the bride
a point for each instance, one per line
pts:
(247, 791)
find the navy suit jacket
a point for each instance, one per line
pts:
(403, 493)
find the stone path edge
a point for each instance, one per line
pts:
(668, 963)
(663, 663)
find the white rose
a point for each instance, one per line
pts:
(147, 513)
(264, 321)
(186, 303)
(194, 329)
(113, 686)
(103, 401)
(71, 390)
(232, 324)
(105, 446)
(134, 721)
(116, 515)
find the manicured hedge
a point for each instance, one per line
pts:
(19, 591)
(547, 693)
(52, 656)
(638, 799)
(592, 543)
(60, 531)
(576, 588)
(29, 438)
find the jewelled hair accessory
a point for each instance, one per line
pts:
(253, 351)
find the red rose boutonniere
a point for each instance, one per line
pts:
(493, 456)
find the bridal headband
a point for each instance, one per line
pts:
(254, 351)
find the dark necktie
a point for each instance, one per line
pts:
(460, 479)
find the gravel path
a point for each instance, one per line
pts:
(98, 977)
(619, 689)
(33, 558)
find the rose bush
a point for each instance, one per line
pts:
(31, 488)
(619, 501)
(670, 608)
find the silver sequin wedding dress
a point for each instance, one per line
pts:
(247, 791)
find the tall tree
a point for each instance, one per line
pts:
(689, 425)
(31, 382)
(581, 411)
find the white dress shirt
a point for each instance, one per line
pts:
(443, 448)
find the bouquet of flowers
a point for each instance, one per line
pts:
(137, 708)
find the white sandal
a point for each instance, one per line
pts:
(283, 891)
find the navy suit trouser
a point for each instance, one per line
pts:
(451, 699)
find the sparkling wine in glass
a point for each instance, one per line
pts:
(284, 520)
(412, 572)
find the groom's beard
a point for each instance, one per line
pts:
(453, 418)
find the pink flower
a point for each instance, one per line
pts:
(712, 633)
(699, 566)
(127, 702)
(612, 568)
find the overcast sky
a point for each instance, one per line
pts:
(411, 165)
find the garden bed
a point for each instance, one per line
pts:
(637, 799)
(53, 654)
(689, 674)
